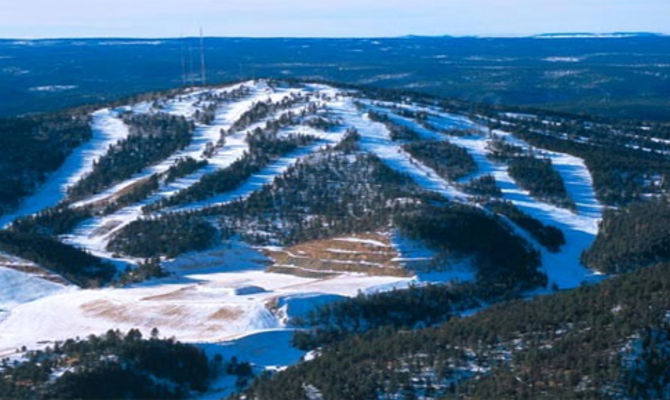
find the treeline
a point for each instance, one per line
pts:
(166, 235)
(548, 236)
(538, 176)
(412, 308)
(72, 263)
(115, 366)
(632, 237)
(323, 195)
(153, 137)
(504, 261)
(622, 172)
(396, 131)
(263, 109)
(484, 186)
(449, 161)
(34, 145)
(53, 221)
(264, 147)
(209, 102)
(566, 346)
(182, 167)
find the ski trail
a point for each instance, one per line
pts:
(203, 136)
(107, 129)
(95, 233)
(376, 140)
(563, 268)
(255, 182)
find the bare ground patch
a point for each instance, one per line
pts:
(367, 253)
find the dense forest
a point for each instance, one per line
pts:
(447, 160)
(183, 167)
(533, 173)
(484, 187)
(503, 260)
(115, 366)
(34, 145)
(168, 235)
(413, 308)
(632, 237)
(568, 346)
(72, 263)
(548, 236)
(396, 131)
(152, 138)
(317, 196)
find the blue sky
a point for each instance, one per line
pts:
(326, 18)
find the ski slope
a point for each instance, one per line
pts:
(223, 298)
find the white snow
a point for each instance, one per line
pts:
(376, 140)
(199, 304)
(222, 298)
(17, 287)
(563, 268)
(107, 129)
(52, 88)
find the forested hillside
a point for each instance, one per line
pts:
(568, 345)
(33, 146)
(379, 244)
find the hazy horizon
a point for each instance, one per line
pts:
(42, 19)
(206, 36)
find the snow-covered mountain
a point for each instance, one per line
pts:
(283, 196)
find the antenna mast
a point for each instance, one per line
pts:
(183, 61)
(202, 59)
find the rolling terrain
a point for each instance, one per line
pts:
(225, 216)
(621, 76)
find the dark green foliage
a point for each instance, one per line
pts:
(138, 192)
(264, 109)
(396, 131)
(406, 308)
(323, 195)
(72, 263)
(149, 269)
(483, 186)
(539, 177)
(32, 146)
(631, 238)
(621, 173)
(112, 366)
(167, 235)
(183, 167)
(565, 346)
(448, 160)
(501, 150)
(264, 146)
(503, 260)
(647, 365)
(548, 236)
(152, 138)
(53, 221)
(349, 144)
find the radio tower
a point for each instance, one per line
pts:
(202, 59)
(183, 61)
